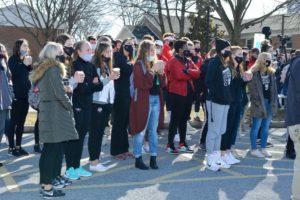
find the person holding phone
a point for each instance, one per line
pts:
(20, 64)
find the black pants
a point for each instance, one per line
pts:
(233, 117)
(197, 102)
(50, 160)
(167, 99)
(290, 149)
(36, 130)
(18, 116)
(119, 134)
(180, 113)
(74, 148)
(205, 127)
(99, 119)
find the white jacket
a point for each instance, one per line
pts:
(107, 95)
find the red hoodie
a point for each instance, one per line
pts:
(178, 80)
(166, 52)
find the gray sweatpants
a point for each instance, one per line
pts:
(3, 115)
(217, 122)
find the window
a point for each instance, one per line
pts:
(249, 43)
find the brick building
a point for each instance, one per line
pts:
(10, 33)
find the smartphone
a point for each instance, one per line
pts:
(66, 82)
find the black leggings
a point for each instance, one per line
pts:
(36, 130)
(231, 129)
(181, 110)
(73, 149)
(50, 161)
(18, 116)
(99, 119)
(205, 128)
(119, 134)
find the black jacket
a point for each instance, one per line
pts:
(218, 80)
(236, 88)
(123, 83)
(201, 83)
(20, 77)
(293, 97)
(83, 93)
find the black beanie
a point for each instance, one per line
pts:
(221, 44)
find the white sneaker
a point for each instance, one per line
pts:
(211, 164)
(230, 159)
(177, 138)
(98, 168)
(257, 153)
(221, 162)
(266, 153)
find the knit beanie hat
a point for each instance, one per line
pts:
(221, 44)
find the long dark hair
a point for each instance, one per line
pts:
(62, 38)
(131, 59)
(17, 47)
(98, 58)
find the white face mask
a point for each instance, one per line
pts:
(87, 57)
(158, 51)
(151, 58)
(93, 46)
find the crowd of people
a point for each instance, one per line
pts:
(84, 87)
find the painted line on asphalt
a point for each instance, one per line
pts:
(8, 180)
(263, 167)
(124, 184)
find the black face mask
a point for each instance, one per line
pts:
(268, 63)
(171, 45)
(105, 59)
(197, 50)
(247, 63)
(129, 48)
(60, 58)
(253, 58)
(226, 54)
(239, 60)
(187, 53)
(69, 50)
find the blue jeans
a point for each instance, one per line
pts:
(264, 123)
(151, 127)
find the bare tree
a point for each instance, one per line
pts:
(40, 19)
(238, 9)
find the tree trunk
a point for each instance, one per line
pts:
(182, 18)
(169, 17)
(160, 17)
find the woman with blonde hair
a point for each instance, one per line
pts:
(56, 121)
(263, 98)
(146, 102)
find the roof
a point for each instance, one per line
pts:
(24, 11)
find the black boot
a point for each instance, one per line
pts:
(37, 148)
(140, 164)
(290, 149)
(153, 163)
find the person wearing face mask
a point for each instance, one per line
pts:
(67, 41)
(93, 42)
(20, 64)
(218, 80)
(82, 104)
(182, 72)
(146, 102)
(253, 54)
(158, 50)
(102, 103)
(263, 98)
(5, 93)
(234, 113)
(119, 136)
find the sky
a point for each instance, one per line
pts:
(256, 9)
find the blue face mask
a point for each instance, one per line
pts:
(151, 58)
(23, 53)
(87, 57)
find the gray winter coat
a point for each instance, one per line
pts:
(258, 108)
(56, 121)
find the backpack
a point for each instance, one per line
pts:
(133, 90)
(34, 96)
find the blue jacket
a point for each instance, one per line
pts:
(293, 97)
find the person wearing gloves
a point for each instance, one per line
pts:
(218, 80)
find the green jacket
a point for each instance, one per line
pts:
(56, 120)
